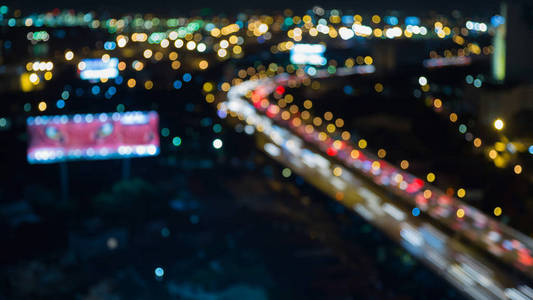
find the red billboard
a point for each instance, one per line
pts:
(92, 136)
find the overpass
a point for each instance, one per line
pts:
(477, 254)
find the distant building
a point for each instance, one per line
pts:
(513, 43)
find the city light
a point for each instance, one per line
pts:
(498, 124)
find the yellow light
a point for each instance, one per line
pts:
(237, 49)
(376, 19)
(382, 153)
(69, 55)
(499, 146)
(453, 117)
(493, 154)
(362, 143)
(497, 211)
(427, 194)
(437, 103)
(328, 116)
(203, 64)
(517, 169)
(368, 60)
(131, 82)
(460, 213)
(121, 66)
(330, 128)
(355, 154)
(209, 98)
(430, 177)
(376, 165)
(404, 164)
(461, 193)
(42, 106)
(148, 85)
(48, 75)
(317, 121)
(337, 171)
(498, 124)
(345, 135)
(147, 53)
(308, 104)
(477, 142)
(225, 86)
(378, 87)
(173, 55)
(207, 87)
(175, 65)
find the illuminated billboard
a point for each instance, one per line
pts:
(308, 54)
(97, 68)
(92, 136)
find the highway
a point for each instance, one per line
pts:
(384, 196)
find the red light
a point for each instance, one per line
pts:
(331, 151)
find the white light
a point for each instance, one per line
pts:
(362, 30)
(217, 143)
(422, 80)
(201, 47)
(346, 33)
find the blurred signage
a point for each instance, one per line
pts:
(311, 54)
(92, 136)
(96, 68)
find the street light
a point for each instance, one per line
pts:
(498, 124)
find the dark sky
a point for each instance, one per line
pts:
(472, 7)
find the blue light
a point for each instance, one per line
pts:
(12, 22)
(187, 77)
(60, 104)
(65, 95)
(112, 90)
(469, 79)
(412, 21)
(95, 90)
(217, 128)
(311, 71)
(462, 128)
(119, 80)
(348, 90)
(159, 272)
(110, 45)
(531, 149)
(497, 20)
(391, 20)
(416, 211)
(7, 44)
(347, 19)
(177, 84)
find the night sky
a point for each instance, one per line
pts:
(475, 7)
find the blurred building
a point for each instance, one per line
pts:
(513, 43)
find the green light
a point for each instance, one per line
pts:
(176, 141)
